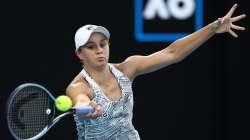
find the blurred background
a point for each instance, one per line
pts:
(204, 97)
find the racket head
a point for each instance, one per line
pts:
(30, 108)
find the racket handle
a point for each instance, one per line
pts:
(84, 110)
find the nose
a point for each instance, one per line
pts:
(99, 49)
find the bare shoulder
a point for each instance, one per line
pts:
(78, 80)
(79, 85)
(128, 67)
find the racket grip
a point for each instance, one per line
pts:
(84, 110)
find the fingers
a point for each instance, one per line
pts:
(98, 110)
(231, 11)
(97, 113)
(238, 27)
(233, 33)
(234, 19)
(92, 115)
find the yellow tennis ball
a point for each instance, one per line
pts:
(63, 103)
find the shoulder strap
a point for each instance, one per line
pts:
(115, 71)
(91, 81)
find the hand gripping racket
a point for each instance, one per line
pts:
(31, 111)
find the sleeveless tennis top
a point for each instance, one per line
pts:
(115, 123)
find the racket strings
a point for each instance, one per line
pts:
(31, 112)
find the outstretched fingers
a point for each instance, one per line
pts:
(238, 27)
(232, 33)
(234, 19)
(231, 11)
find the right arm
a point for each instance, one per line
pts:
(78, 91)
(81, 95)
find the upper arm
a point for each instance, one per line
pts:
(137, 65)
(78, 91)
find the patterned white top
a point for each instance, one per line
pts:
(115, 123)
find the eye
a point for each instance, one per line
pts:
(103, 44)
(90, 46)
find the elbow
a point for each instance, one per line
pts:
(173, 52)
(174, 55)
(178, 58)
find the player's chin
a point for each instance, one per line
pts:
(102, 62)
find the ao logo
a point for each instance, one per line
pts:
(179, 9)
(166, 10)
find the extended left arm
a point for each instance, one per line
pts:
(181, 48)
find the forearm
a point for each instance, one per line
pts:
(81, 97)
(184, 46)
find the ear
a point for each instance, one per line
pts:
(78, 54)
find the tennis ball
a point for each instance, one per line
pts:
(63, 103)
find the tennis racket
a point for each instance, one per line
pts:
(31, 111)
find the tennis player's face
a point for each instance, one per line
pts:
(96, 51)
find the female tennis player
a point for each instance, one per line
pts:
(107, 87)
